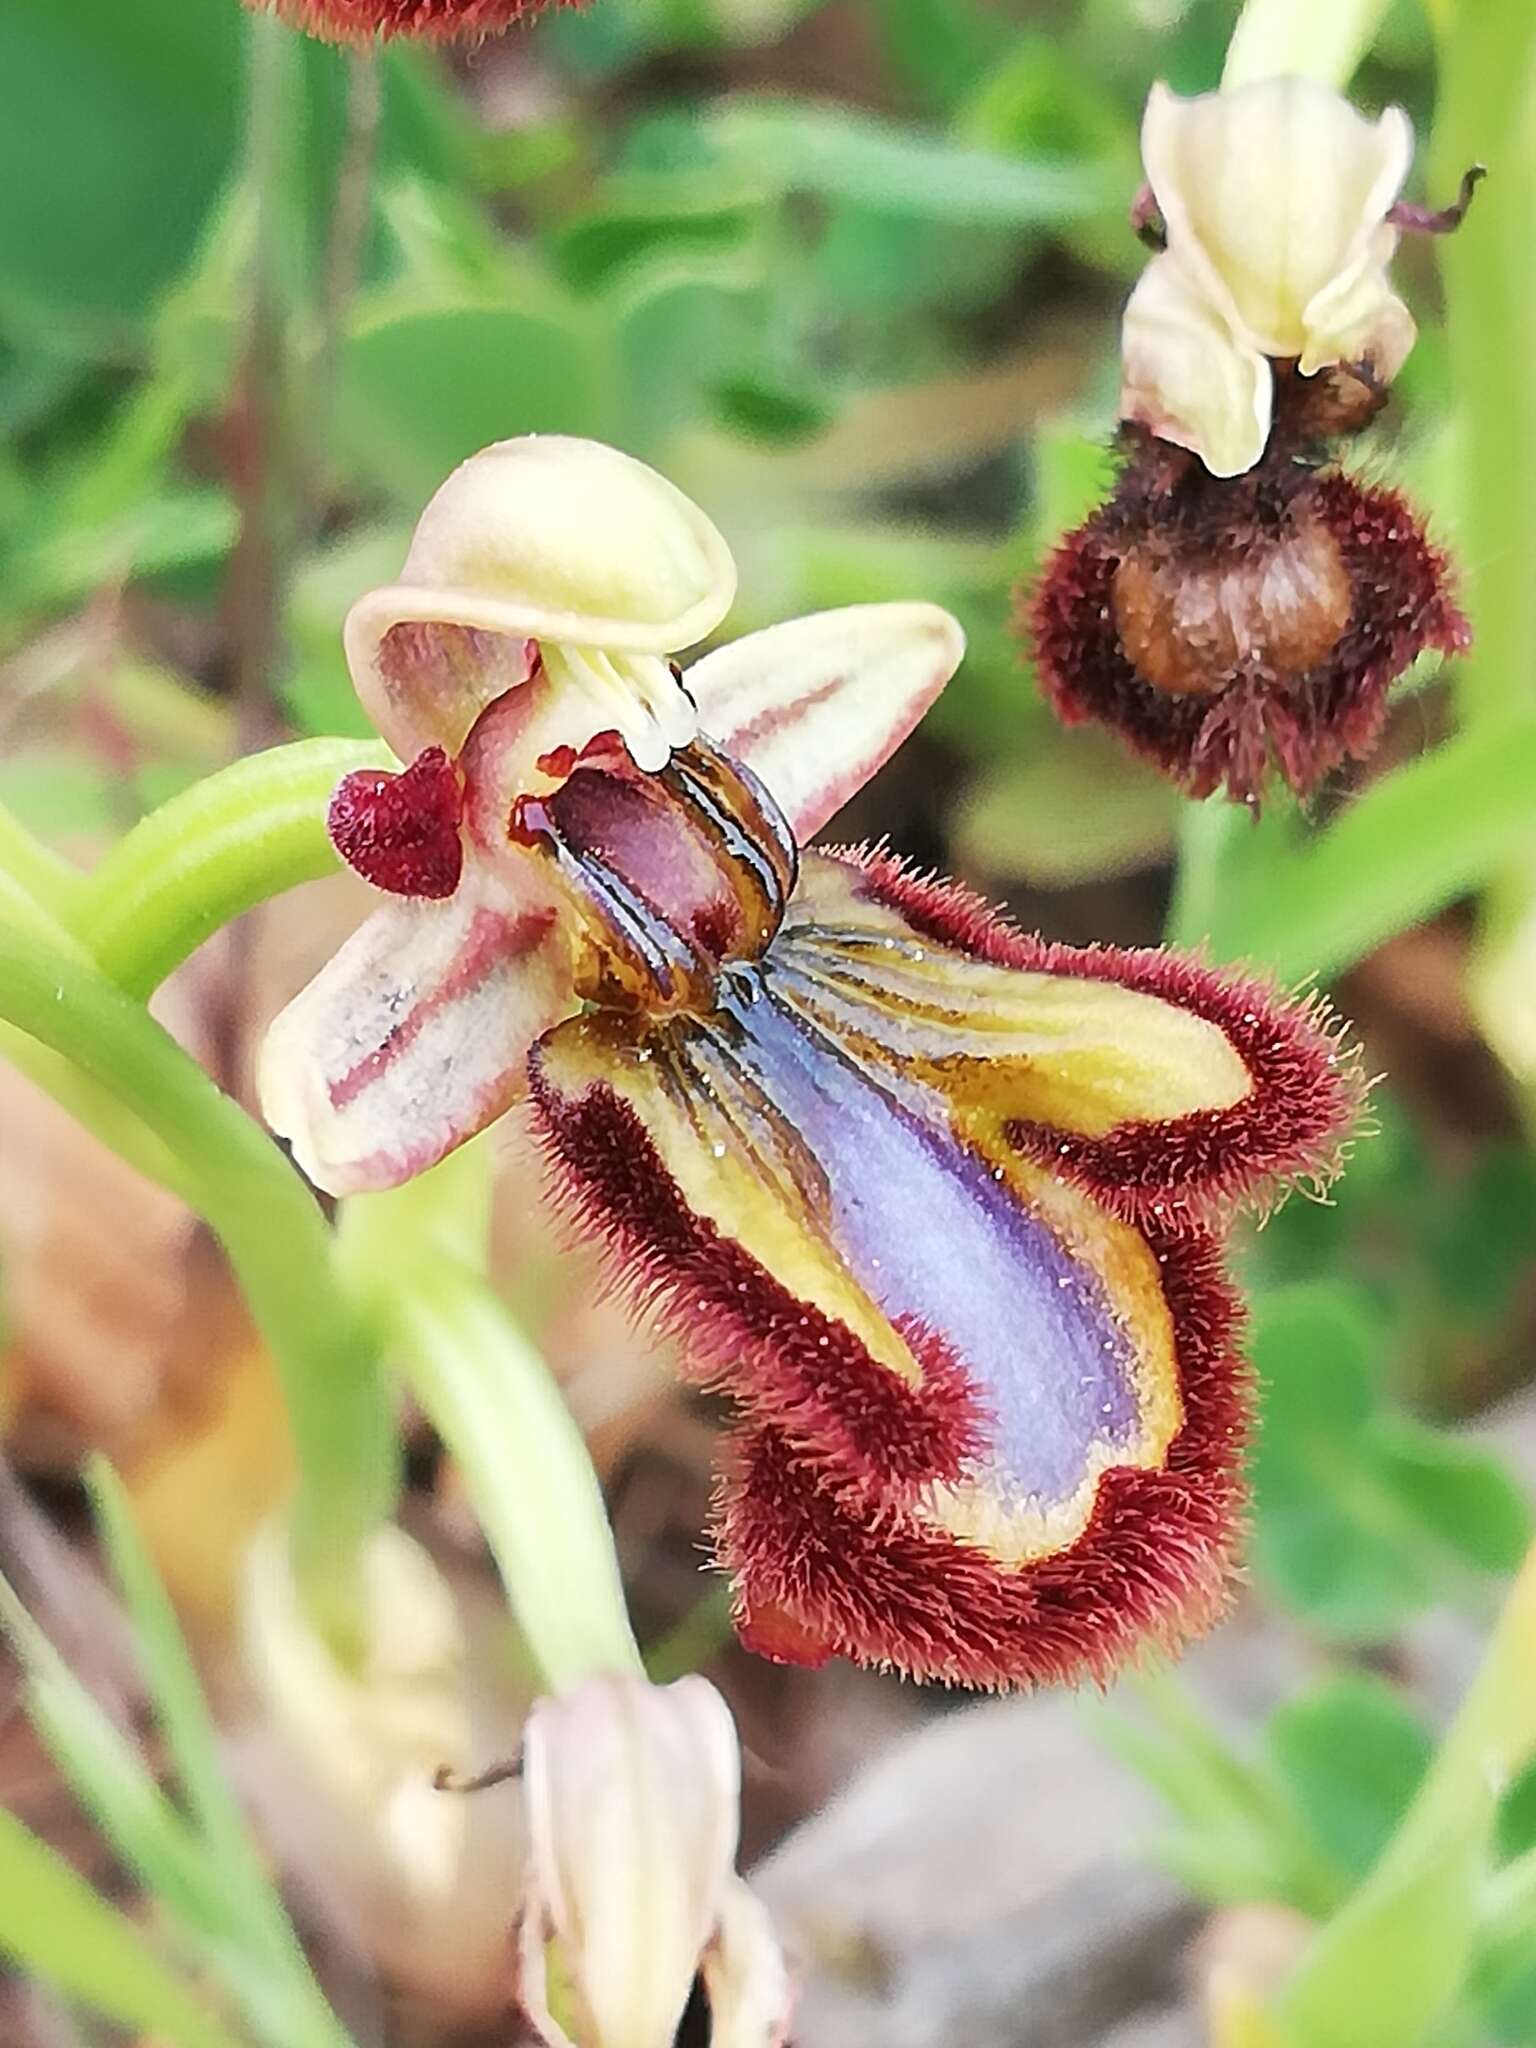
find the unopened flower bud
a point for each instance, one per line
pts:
(631, 1794)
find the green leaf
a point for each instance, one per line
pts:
(1426, 833)
(421, 390)
(55, 1927)
(772, 415)
(1463, 1495)
(683, 321)
(1242, 1837)
(182, 1712)
(169, 528)
(125, 122)
(941, 48)
(839, 154)
(108, 1776)
(884, 260)
(1075, 808)
(1039, 104)
(1320, 1537)
(649, 213)
(1352, 1752)
(318, 691)
(262, 1961)
(1316, 1349)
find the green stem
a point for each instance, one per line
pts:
(30, 870)
(1492, 1738)
(1322, 39)
(412, 1255)
(214, 851)
(1206, 831)
(277, 1243)
(1487, 81)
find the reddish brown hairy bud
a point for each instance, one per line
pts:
(440, 21)
(1271, 604)
(1226, 625)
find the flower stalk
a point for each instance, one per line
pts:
(415, 1257)
(1492, 1739)
(211, 853)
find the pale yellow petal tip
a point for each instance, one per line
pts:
(1187, 379)
(1274, 197)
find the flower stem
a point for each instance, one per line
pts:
(351, 203)
(1205, 832)
(234, 839)
(276, 1240)
(1492, 1738)
(1487, 77)
(1323, 39)
(413, 1255)
(31, 871)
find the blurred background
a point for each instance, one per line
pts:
(850, 274)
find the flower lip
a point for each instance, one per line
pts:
(914, 1194)
(544, 538)
(1223, 627)
(438, 21)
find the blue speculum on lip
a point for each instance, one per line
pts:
(819, 1105)
(936, 1236)
(941, 1207)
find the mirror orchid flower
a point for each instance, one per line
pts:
(1239, 601)
(941, 1207)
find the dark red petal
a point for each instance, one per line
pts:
(816, 1577)
(359, 21)
(401, 832)
(1307, 1087)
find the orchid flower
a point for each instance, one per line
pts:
(942, 1207)
(1245, 603)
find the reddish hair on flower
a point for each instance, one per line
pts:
(939, 1206)
(1239, 604)
(436, 21)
